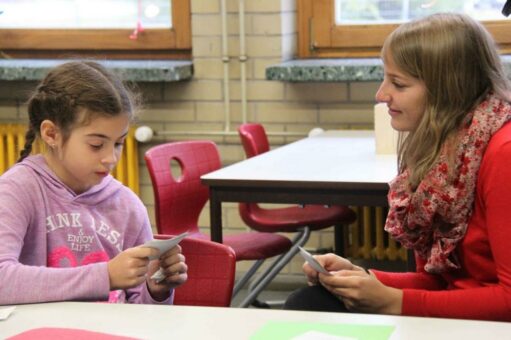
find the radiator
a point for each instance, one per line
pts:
(12, 139)
(368, 240)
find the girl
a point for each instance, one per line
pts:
(69, 230)
(444, 86)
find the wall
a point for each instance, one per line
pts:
(198, 104)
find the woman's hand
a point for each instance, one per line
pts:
(330, 262)
(174, 269)
(363, 292)
(129, 268)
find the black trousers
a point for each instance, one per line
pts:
(314, 298)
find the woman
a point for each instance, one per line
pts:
(447, 92)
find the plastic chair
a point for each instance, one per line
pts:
(179, 201)
(211, 273)
(292, 219)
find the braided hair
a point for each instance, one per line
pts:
(72, 88)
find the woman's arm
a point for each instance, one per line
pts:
(492, 299)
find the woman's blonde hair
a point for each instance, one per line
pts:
(457, 60)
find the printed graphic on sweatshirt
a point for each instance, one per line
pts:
(76, 223)
(81, 245)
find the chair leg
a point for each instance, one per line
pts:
(244, 279)
(267, 276)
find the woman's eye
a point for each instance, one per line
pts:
(96, 146)
(398, 85)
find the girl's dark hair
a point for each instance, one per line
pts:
(74, 93)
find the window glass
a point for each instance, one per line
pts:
(85, 14)
(363, 12)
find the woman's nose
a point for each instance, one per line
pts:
(381, 95)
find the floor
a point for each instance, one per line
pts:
(277, 292)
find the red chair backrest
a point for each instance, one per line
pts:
(211, 273)
(255, 142)
(254, 139)
(179, 201)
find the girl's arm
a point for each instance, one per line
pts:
(20, 283)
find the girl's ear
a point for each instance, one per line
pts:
(50, 133)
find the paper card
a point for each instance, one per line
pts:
(47, 333)
(6, 312)
(164, 245)
(290, 330)
(315, 335)
(313, 262)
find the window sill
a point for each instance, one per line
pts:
(337, 70)
(130, 70)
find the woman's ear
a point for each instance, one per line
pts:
(50, 133)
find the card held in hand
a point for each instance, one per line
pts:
(313, 262)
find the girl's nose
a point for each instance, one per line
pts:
(111, 157)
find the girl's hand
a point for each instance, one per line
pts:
(363, 292)
(175, 270)
(330, 262)
(129, 268)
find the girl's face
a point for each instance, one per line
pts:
(404, 95)
(90, 153)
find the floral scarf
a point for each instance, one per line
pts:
(434, 218)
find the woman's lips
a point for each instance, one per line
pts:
(393, 112)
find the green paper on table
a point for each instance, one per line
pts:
(312, 330)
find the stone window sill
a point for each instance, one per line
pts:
(337, 70)
(130, 70)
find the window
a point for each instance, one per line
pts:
(357, 28)
(134, 29)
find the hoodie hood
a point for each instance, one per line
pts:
(95, 195)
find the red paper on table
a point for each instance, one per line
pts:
(65, 334)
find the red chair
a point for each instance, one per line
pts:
(180, 199)
(294, 219)
(211, 273)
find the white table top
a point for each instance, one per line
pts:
(182, 322)
(334, 157)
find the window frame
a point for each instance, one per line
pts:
(174, 43)
(320, 37)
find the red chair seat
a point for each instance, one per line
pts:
(289, 219)
(247, 247)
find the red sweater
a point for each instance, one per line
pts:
(481, 288)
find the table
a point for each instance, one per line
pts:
(335, 167)
(186, 322)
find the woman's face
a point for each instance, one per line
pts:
(404, 95)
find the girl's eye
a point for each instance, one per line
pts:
(119, 145)
(96, 146)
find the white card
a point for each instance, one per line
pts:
(158, 276)
(6, 312)
(164, 245)
(313, 262)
